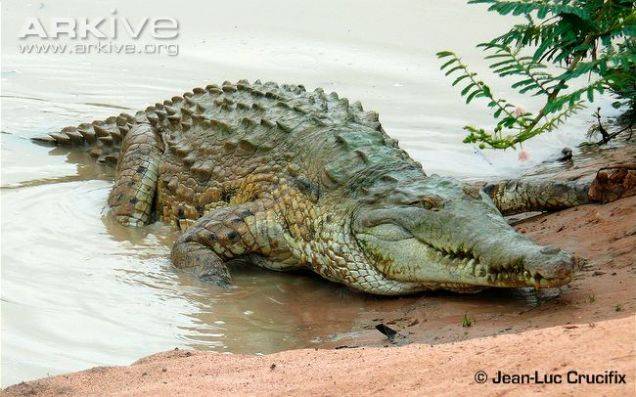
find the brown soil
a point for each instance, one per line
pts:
(588, 326)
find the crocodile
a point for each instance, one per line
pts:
(286, 178)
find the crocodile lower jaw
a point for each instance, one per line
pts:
(499, 277)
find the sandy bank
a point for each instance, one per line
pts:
(409, 370)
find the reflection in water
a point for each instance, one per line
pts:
(85, 170)
(266, 312)
(263, 311)
(108, 106)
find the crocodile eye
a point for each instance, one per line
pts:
(390, 232)
(432, 202)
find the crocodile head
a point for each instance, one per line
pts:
(445, 234)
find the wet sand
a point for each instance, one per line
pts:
(588, 326)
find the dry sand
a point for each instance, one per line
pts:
(589, 327)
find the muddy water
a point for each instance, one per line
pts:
(79, 290)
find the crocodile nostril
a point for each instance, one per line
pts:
(565, 268)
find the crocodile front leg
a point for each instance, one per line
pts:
(251, 230)
(137, 171)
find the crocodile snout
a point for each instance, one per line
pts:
(550, 263)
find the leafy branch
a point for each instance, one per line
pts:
(582, 38)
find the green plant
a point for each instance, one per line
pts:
(566, 52)
(467, 321)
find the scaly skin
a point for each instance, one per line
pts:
(287, 179)
(516, 196)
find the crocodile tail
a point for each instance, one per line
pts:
(101, 138)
